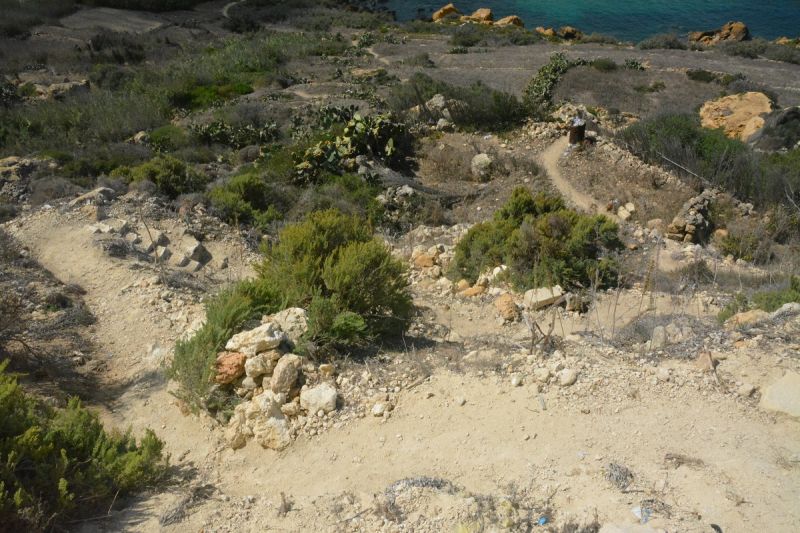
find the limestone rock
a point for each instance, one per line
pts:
(741, 115)
(327, 369)
(473, 291)
(740, 319)
(511, 20)
(542, 297)
(623, 214)
(783, 396)
(483, 15)
(449, 9)
(659, 339)
(462, 285)
(567, 377)
(229, 366)
(285, 374)
(70, 88)
(258, 365)
(322, 397)
(199, 253)
(569, 33)
(293, 322)
(265, 337)
(732, 31)
(104, 193)
(154, 239)
(550, 32)
(481, 165)
(270, 428)
(506, 307)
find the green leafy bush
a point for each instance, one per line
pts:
(542, 242)
(331, 256)
(539, 91)
(633, 64)
(61, 465)
(205, 96)
(458, 50)
(172, 176)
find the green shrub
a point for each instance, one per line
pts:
(598, 38)
(768, 301)
(246, 199)
(172, 176)
(604, 64)
(701, 75)
(332, 259)
(61, 465)
(192, 363)
(662, 42)
(467, 35)
(458, 50)
(542, 242)
(170, 138)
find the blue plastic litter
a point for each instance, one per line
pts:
(542, 521)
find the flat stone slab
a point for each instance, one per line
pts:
(783, 396)
(114, 20)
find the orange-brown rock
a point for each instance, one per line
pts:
(474, 291)
(740, 115)
(425, 261)
(462, 285)
(449, 9)
(569, 33)
(512, 20)
(483, 15)
(732, 31)
(229, 366)
(506, 307)
(550, 31)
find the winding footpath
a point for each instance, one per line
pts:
(550, 159)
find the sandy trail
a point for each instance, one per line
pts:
(550, 159)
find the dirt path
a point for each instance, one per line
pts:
(550, 159)
(228, 6)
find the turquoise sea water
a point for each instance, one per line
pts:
(631, 20)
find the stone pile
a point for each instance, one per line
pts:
(258, 367)
(692, 224)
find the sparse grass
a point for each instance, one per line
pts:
(662, 42)
(760, 48)
(475, 107)
(18, 17)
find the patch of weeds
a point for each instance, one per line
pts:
(662, 42)
(656, 86)
(701, 75)
(633, 64)
(477, 107)
(458, 50)
(236, 137)
(172, 176)
(768, 301)
(421, 60)
(542, 242)
(604, 64)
